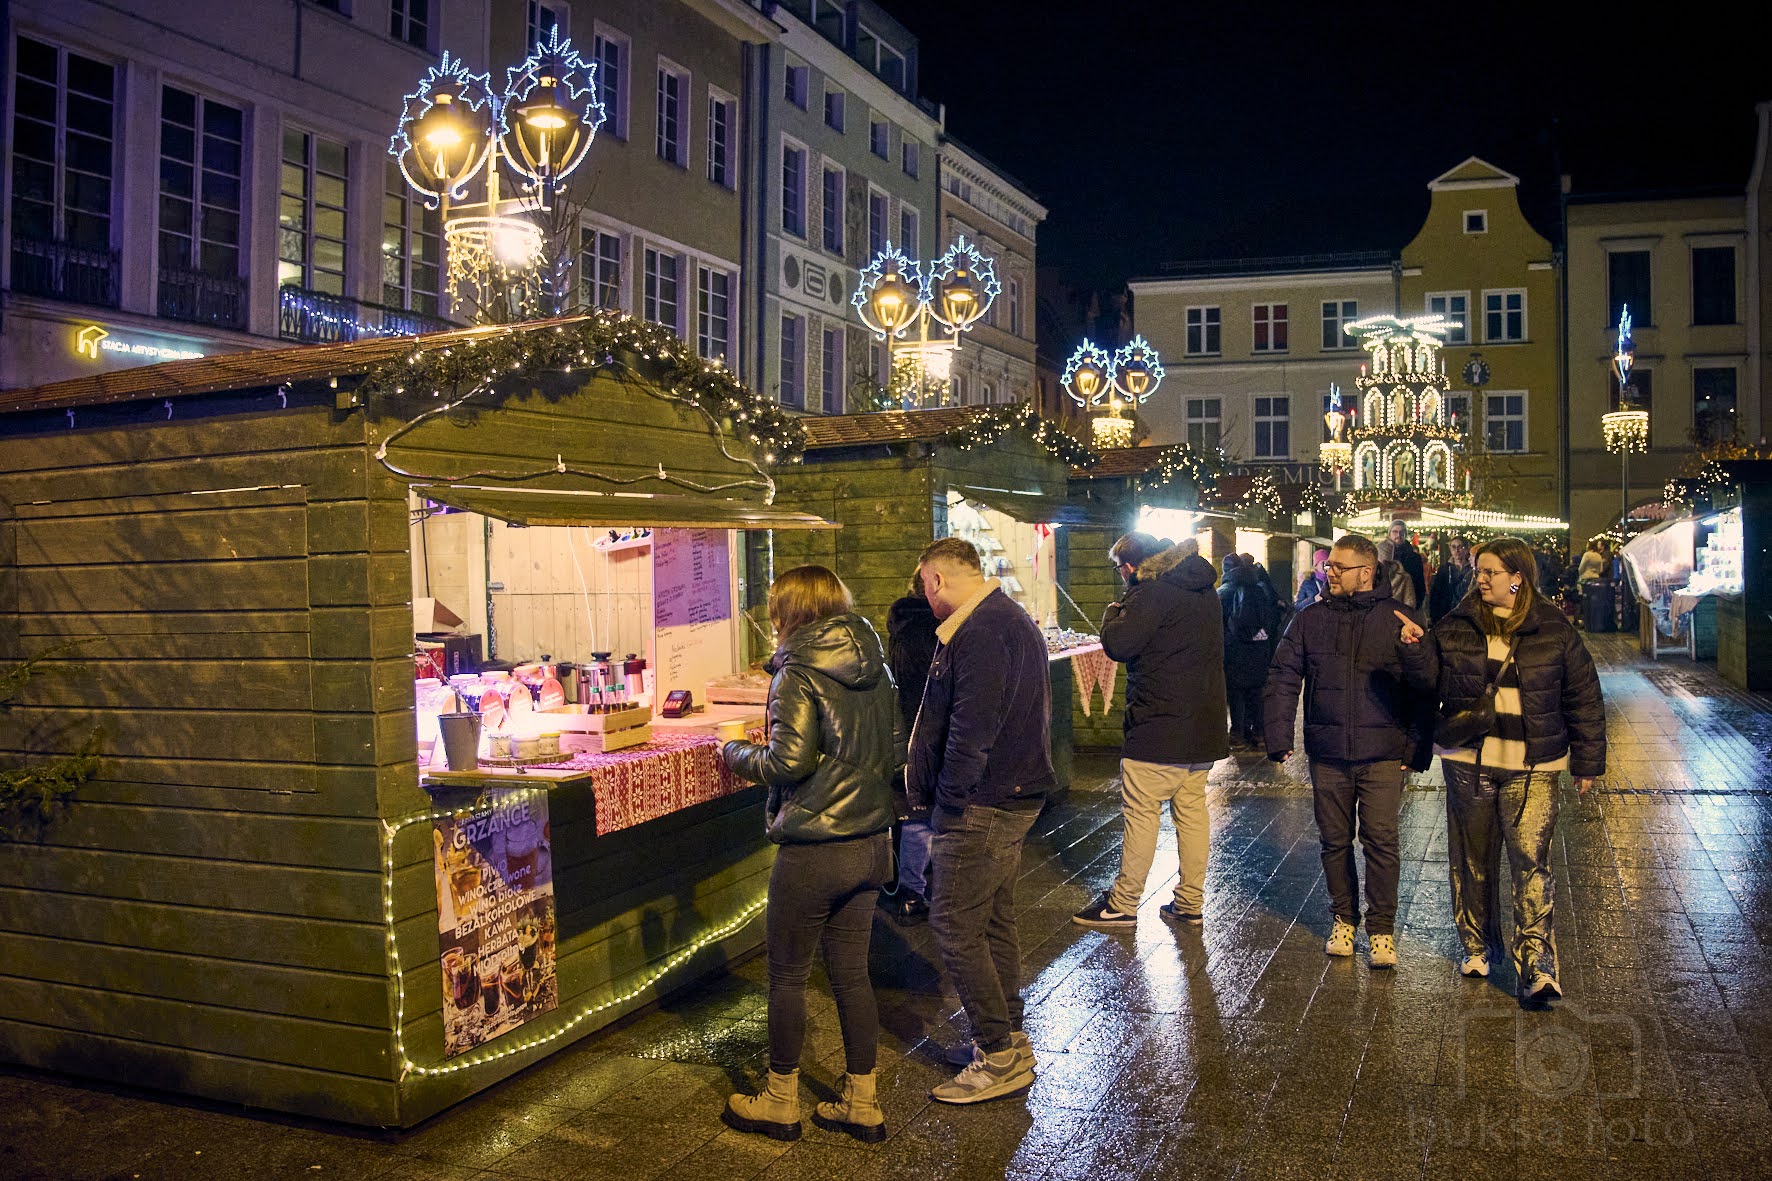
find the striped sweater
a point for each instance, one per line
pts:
(1505, 748)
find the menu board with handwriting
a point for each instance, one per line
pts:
(691, 577)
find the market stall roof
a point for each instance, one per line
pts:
(658, 510)
(1035, 506)
(252, 369)
(886, 426)
(1120, 461)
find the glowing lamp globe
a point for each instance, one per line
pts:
(960, 304)
(893, 302)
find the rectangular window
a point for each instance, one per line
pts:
(891, 68)
(1273, 427)
(1627, 285)
(911, 152)
(200, 185)
(722, 121)
(713, 314)
(833, 108)
(410, 21)
(599, 269)
(793, 190)
(411, 248)
(833, 210)
(63, 157)
(877, 207)
(545, 20)
(987, 392)
(1458, 411)
(664, 298)
(1504, 316)
(673, 88)
(311, 214)
(1476, 221)
(831, 374)
(611, 52)
(1202, 332)
(1203, 422)
(799, 82)
(1455, 308)
(1270, 327)
(1713, 285)
(958, 389)
(793, 361)
(1012, 294)
(1337, 315)
(1504, 420)
(908, 240)
(880, 139)
(1713, 405)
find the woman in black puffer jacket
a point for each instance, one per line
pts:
(1503, 788)
(828, 762)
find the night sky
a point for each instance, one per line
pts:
(1156, 131)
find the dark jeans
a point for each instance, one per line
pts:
(825, 893)
(977, 857)
(1360, 799)
(1246, 713)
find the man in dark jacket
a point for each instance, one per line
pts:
(1451, 581)
(1251, 626)
(910, 646)
(1409, 558)
(981, 755)
(1166, 632)
(1360, 726)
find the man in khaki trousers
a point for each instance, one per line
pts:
(1168, 631)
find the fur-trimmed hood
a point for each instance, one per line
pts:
(1182, 564)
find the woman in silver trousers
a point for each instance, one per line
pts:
(1501, 790)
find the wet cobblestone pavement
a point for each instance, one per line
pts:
(1240, 1051)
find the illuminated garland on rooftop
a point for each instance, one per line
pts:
(594, 341)
(1263, 496)
(1182, 462)
(990, 425)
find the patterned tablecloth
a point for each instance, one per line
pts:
(645, 782)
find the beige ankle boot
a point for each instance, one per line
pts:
(857, 1112)
(774, 1113)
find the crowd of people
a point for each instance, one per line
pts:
(944, 732)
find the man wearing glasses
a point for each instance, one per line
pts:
(1360, 727)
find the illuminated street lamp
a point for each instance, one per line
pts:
(454, 126)
(897, 294)
(1125, 379)
(1337, 453)
(1626, 429)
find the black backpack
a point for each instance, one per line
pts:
(1249, 614)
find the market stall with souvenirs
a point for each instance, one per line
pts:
(327, 864)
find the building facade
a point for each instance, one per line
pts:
(847, 167)
(1679, 265)
(996, 360)
(1251, 349)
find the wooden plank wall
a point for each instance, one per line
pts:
(207, 915)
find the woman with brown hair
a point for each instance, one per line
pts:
(827, 759)
(1503, 751)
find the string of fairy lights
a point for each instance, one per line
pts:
(560, 1027)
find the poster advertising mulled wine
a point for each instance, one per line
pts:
(495, 918)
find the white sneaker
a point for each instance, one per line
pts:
(1474, 967)
(1341, 939)
(1542, 989)
(1384, 952)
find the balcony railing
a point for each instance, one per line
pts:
(202, 299)
(315, 317)
(59, 270)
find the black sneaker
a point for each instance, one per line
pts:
(908, 909)
(1175, 914)
(1104, 917)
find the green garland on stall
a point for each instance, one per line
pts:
(1182, 462)
(595, 341)
(1688, 492)
(1263, 496)
(1312, 502)
(32, 794)
(988, 426)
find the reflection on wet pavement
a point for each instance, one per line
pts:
(1240, 1050)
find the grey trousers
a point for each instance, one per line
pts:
(1360, 800)
(1484, 813)
(977, 857)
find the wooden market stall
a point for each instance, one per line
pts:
(896, 480)
(247, 901)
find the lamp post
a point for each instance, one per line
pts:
(897, 294)
(455, 127)
(1094, 378)
(1626, 428)
(1337, 453)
